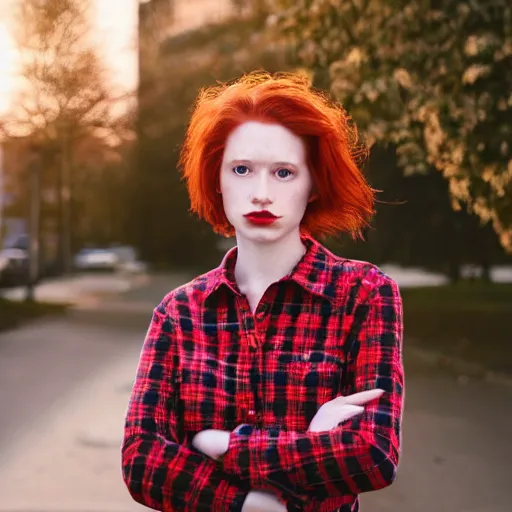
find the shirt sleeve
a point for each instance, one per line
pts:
(357, 456)
(158, 471)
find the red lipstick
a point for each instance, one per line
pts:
(261, 218)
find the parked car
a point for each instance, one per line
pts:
(48, 266)
(96, 259)
(118, 258)
(14, 267)
(128, 259)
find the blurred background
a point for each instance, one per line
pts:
(95, 96)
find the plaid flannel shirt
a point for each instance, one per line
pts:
(331, 327)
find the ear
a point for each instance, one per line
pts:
(312, 198)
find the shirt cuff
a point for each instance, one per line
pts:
(237, 459)
(228, 497)
(237, 502)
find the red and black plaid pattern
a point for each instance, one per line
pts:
(332, 327)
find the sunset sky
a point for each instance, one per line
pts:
(115, 23)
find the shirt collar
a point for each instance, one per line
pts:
(314, 272)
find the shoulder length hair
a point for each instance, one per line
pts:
(345, 201)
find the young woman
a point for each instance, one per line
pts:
(275, 381)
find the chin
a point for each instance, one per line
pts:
(260, 237)
(263, 235)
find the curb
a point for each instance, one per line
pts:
(465, 368)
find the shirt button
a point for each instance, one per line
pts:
(263, 311)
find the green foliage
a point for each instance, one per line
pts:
(469, 321)
(416, 226)
(432, 78)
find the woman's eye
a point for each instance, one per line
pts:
(241, 170)
(284, 173)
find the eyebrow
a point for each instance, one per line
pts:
(283, 164)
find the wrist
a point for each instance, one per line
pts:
(259, 501)
(213, 443)
(238, 459)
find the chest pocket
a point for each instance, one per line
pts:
(301, 384)
(207, 396)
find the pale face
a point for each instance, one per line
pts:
(264, 169)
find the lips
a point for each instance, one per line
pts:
(261, 217)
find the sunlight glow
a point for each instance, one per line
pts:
(115, 32)
(7, 67)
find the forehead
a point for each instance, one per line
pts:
(254, 140)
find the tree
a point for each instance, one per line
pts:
(64, 96)
(432, 77)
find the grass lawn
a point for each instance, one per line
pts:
(472, 321)
(13, 313)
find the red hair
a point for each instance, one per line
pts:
(345, 199)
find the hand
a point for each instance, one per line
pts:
(213, 443)
(341, 409)
(259, 501)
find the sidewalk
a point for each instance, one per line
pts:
(81, 288)
(411, 277)
(71, 460)
(87, 290)
(68, 458)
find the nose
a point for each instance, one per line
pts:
(261, 191)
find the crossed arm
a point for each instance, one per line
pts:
(215, 443)
(354, 457)
(160, 472)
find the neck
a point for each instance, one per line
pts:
(258, 265)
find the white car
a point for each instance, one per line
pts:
(96, 259)
(117, 258)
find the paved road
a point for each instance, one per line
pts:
(457, 447)
(63, 391)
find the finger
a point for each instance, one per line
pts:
(363, 397)
(349, 411)
(333, 420)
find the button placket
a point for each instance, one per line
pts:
(261, 327)
(255, 332)
(247, 324)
